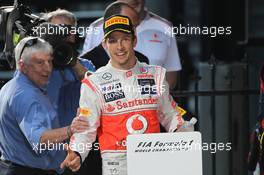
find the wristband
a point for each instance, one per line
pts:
(69, 133)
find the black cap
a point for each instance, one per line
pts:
(118, 23)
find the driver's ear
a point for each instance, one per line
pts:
(135, 41)
(104, 44)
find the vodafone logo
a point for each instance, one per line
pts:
(136, 124)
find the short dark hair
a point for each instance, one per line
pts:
(114, 8)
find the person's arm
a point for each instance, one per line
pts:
(83, 67)
(172, 79)
(254, 152)
(172, 63)
(79, 124)
(54, 135)
(168, 114)
(36, 121)
(36, 118)
(90, 108)
(79, 70)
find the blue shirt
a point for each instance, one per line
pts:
(64, 92)
(25, 113)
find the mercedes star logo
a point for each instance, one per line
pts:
(107, 76)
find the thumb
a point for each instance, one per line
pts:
(64, 164)
(67, 148)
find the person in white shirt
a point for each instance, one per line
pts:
(153, 40)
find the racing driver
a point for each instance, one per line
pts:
(124, 97)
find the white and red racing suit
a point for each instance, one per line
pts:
(122, 102)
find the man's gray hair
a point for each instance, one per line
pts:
(24, 52)
(61, 13)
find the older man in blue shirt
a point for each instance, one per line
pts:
(31, 139)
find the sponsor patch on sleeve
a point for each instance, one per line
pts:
(85, 112)
(181, 110)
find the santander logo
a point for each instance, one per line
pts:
(136, 102)
(129, 104)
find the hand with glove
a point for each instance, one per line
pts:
(188, 126)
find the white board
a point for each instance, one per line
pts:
(164, 153)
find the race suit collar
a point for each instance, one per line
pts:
(126, 73)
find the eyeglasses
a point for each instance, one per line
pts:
(31, 42)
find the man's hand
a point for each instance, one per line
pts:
(188, 126)
(79, 70)
(79, 123)
(72, 160)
